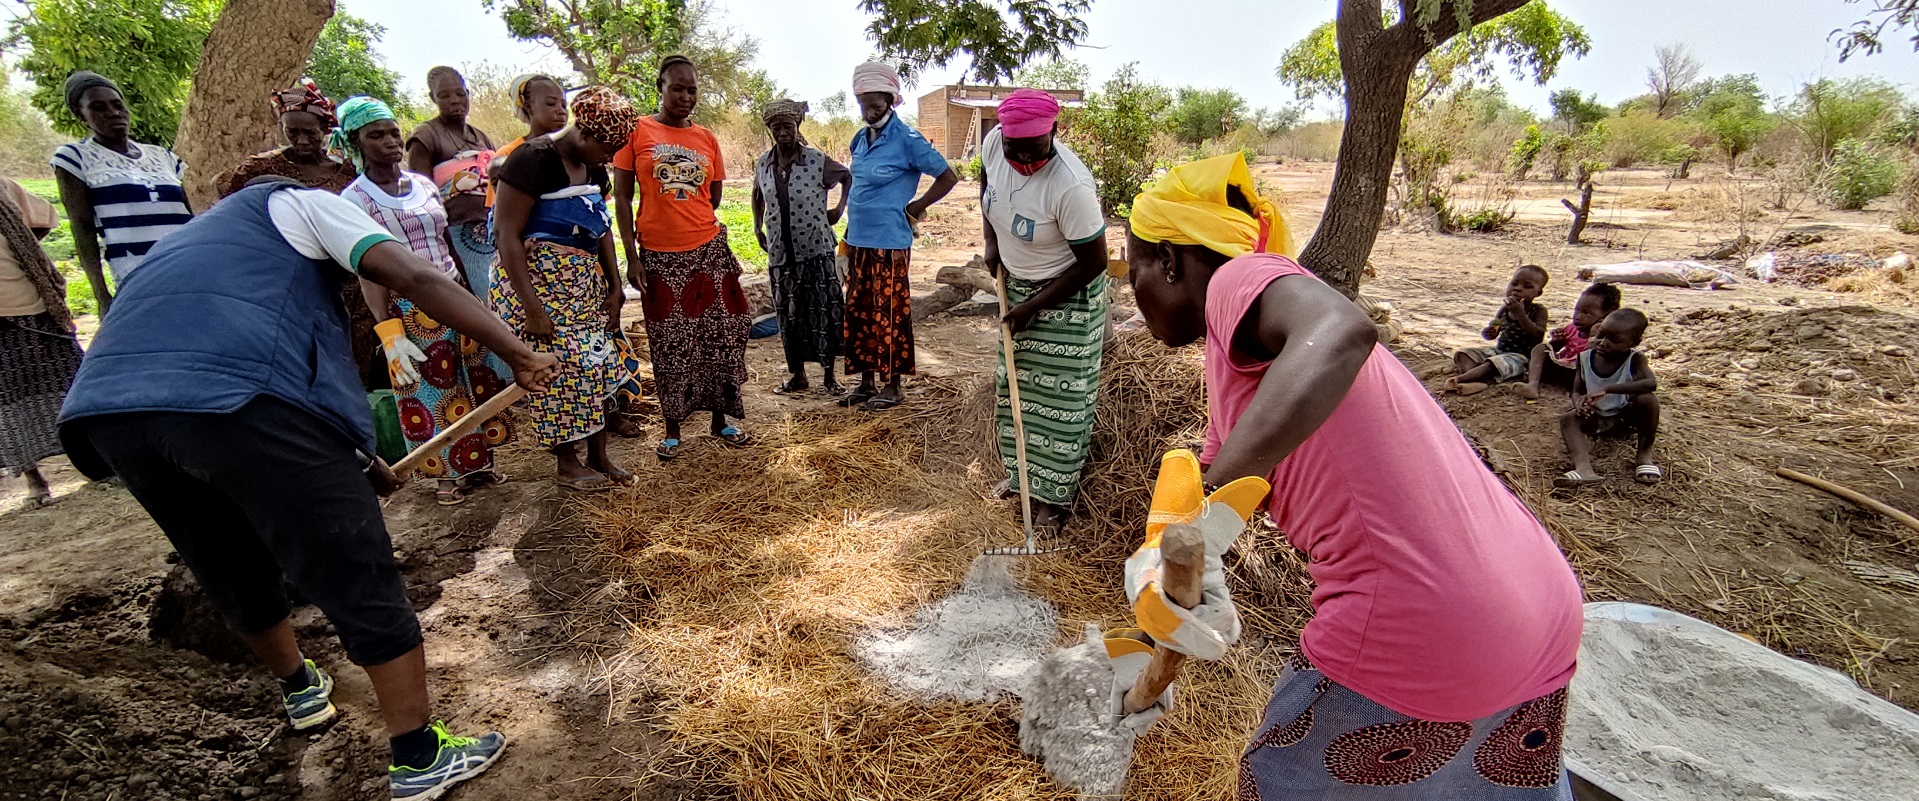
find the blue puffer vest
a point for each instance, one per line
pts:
(222, 311)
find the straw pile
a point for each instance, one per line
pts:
(750, 580)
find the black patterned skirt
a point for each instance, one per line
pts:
(1319, 739)
(38, 358)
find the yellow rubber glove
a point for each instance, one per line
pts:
(1179, 496)
(403, 358)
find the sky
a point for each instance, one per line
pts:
(810, 46)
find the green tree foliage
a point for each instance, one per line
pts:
(620, 43)
(1576, 111)
(1867, 36)
(1532, 41)
(1113, 134)
(1732, 113)
(1827, 112)
(148, 47)
(998, 36)
(345, 64)
(1861, 173)
(26, 136)
(1201, 114)
(1057, 73)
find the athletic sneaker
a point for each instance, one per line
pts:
(459, 759)
(312, 706)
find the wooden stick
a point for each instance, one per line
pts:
(472, 420)
(1851, 495)
(1183, 551)
(1019, 424)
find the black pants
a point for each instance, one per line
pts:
(265, 492)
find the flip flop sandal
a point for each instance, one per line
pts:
(592, 483)
(620, 477)
(668, 450)
(1648, 474)
(1003, 490)
(1573, 478)
(855, 398)
(734, 437)
(449, 497)
(833, 390)
(879, 403)
(787, 388)
(485, 478)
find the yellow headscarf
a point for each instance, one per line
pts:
(1188, 207)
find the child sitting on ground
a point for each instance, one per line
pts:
(1613, 390)
(1518, 328)
(1557, 360)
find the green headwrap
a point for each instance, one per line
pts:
(358, 112)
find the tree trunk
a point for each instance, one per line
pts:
(1378, 63)
(1581, 213)
(255, 46)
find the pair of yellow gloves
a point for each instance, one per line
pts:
(1205, 631)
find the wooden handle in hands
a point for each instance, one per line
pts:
(1019, 424)
(1182, 551)
(472, 420)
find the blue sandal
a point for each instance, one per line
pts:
(669, 448)
(734, 437)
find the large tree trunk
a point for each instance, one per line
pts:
(256, 46)
(1377, 62)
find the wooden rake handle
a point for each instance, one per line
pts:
(1019, 424)
(1182, 550)
(1861, 499)
(472, 420)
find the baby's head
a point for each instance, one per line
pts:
(1528, 281)
(1594, 304)
(1619, 332)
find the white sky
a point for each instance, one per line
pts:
(811, 46)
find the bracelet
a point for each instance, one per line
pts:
(366, 462)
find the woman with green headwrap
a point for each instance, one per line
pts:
(438, 375)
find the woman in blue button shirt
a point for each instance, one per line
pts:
(889, 157)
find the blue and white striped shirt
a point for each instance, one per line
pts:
(136, 199)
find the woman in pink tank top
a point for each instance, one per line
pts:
(1446, 620)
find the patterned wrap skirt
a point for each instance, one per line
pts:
(1058, 356)
(1319, 739)
(697, 321)
(812, 312)
(455, 379)
(572, 289)
(38, 358)
(879, 312)
(474, 242)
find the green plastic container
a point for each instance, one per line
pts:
(387, 438)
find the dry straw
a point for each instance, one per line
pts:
(747, 582)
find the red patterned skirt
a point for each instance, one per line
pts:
(1319, 739)
(697, 321)
(879, 312)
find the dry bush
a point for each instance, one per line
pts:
(1315, 141)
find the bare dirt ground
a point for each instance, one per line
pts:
(117, 683)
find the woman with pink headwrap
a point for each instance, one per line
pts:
(889, 157)
(1045, 232)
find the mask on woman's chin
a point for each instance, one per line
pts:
(1028, 168)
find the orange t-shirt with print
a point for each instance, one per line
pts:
(673, 172)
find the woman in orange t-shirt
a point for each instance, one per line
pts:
(697, 317)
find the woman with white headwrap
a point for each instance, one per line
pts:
(795, 228)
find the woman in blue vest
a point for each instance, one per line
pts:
(232, 411)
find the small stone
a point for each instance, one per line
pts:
(1843, 374)
(1809, 386)
(1809, 331)
(1759, 346)
(249, 792)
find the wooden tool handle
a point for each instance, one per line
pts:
(1855, 496)
(472, 420)
(1183, 552)
(1019, 424)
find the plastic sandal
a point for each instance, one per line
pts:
(734, 437)
(1574, 478)
(1648, 474)
(668, 450)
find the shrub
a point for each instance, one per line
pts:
(1114, 135)
(1525, 152)
(1637, 137)
(1859, 174)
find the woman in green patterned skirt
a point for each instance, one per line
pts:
(1045, 231)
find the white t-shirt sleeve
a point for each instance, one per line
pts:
(321, 225)
(1080, 218)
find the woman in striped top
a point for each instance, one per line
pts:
(438, 374)
(122, 196)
